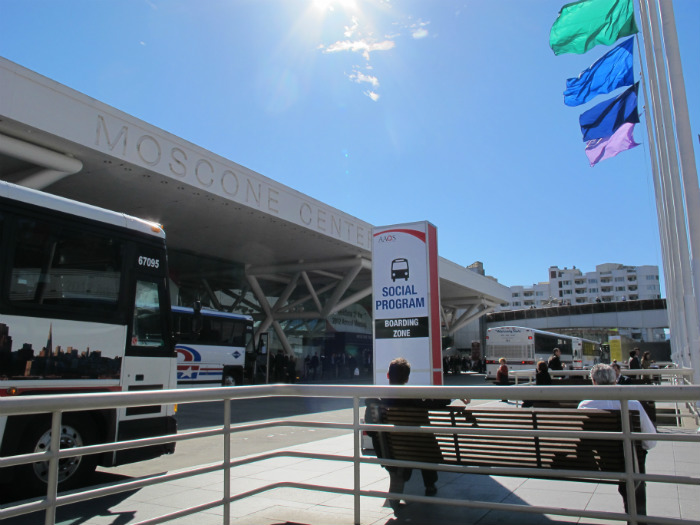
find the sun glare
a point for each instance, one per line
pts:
(332, 5)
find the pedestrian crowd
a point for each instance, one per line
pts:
(456, 364)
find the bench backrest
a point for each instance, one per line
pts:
(508, 451)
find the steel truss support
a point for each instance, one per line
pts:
(471, 308)
(327, 281)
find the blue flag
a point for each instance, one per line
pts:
(603, 120)
(611, 71)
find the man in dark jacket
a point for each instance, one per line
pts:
(620, 379)
(634, 363)
(555, 360)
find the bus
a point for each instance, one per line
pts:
(211, 346)
(84, 307)
(522, 348)
(592, 353)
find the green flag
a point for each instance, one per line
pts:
(587, 23)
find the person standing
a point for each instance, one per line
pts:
(502, 375)
(314, 365)
(634, 363)
(502, 372)
(646, 360)
(554, 362)
(602, 374)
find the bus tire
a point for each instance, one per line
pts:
(75, 432)
(228, 379)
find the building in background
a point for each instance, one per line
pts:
(609, 282)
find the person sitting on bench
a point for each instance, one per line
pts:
(398, 374)
(602, 374)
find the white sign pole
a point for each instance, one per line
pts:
(406, 301)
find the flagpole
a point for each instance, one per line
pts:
(665, 198)
(664, 235)
(670, 172)
(687, 155)
(678, 209)
(661, 217)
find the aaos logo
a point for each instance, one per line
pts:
(386, 238)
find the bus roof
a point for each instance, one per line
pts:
(212, 313)
(71, 207)
(519, 329)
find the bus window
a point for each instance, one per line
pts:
(62, 267)
(148, 325)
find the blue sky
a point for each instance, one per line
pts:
(392, 111)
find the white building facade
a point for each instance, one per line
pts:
(609, 282)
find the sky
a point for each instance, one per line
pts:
(392, 111)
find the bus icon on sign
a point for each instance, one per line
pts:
(399, 269)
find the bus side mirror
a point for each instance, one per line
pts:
(197, 318)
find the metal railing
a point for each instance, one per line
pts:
(58, 405)
(669, 375)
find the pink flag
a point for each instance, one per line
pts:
(605, 148)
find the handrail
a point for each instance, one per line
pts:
(59, 404)
(672, 373)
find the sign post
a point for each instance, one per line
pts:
(406, 301)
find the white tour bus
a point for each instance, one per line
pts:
(84, 307)
(210, 346)
(524, 347)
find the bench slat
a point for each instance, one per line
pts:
(594, 455)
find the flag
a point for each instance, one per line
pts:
(611, 71)
(621, 140)
(603, 120)
(584, 24)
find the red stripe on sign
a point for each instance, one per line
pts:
(436, 334)
(419, 235)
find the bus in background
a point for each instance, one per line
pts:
(592, 353)
(84, 307)
(522, 348)
(210, 346)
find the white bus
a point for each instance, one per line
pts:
(84, 307)
(210, 346)
(524, 347)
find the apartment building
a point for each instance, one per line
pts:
(569, 286)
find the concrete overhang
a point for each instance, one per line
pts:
(61, 141)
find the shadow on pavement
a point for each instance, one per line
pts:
(76, 513)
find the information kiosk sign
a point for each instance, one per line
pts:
(406, 301)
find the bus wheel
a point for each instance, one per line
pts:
(228, 380)
(71, 471)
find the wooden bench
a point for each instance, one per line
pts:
(491, 450)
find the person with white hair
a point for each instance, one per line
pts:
(602, 374)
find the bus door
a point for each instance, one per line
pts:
(149, 360)
(577, 358)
